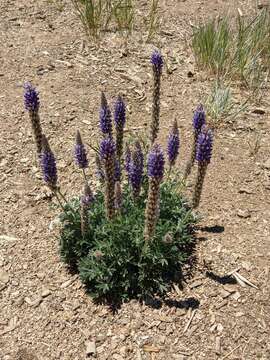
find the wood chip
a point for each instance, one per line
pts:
(90, 348)
(35, 302)
(4, 277)
(244, 280)
(240, 282)
(151, 348)
(190, 320)
(196, 284)
(12, 324)
(218, 345)
(221, 304)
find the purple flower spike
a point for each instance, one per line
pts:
(157, 61)
(156, 163)
(80, 152)
(199, 118)
(204, 146)
(173, 144)
(107, 149)
(31, 98)
(120, 112)
(105, 118)
(48, 164)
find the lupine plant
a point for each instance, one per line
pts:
(129, 237)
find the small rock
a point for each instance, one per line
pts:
(229, 288)
(258, 111)
(45, 293)
(91, 348)
(245, 190)
(34, 302)
(243, 213)
(266, 165)
(246, 265)
(219, 328)
(236, 295)
(66, 283)
(224, 293)
(4, 277)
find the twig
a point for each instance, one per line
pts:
(233, 271)
(225, 357)
(240, 282)
(190, 320)
(241, 277)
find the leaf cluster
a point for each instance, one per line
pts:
(114, 260)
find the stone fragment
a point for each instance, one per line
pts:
(45, 293)
(33, 302)
(4, 277)
(91, 348)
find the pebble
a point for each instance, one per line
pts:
(229, 288)
(266, 165)
(224, 294)
(35, 302)
(245, 190)
(236, 295)
(66, 283)
(243, 213)
(91, 348)
(45, 293)
(4, 277)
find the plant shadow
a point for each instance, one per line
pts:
(216, 229)
(223, 280)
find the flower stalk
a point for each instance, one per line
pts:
(198, 122)
(85, 202)
(157, 64)
(203, 157)
(155, 173)
(107, 153)
(173, 145)
(105, 117)
(31, 103)
(135, 170)
(80, 155)
(119, 120)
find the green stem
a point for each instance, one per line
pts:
(64, 198)
(59, 201)
(84, 175)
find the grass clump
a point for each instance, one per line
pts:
(99, 16)
(220, 104)
(238, 51)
